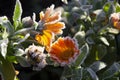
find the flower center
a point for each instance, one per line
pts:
(67, 54)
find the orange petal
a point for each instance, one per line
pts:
(45, 39)
(70, 43)
(54, 17)
(117, 25)
(48, 12)
(56, 27)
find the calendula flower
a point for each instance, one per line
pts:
(115, 19)
(49, 25)
(64, 51)
(36, 57)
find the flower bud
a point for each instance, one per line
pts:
(27, 22)
(36, 57)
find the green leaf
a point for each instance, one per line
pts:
(83, 54)
(77, 74)
(65, 1)
(113, 30)
(17, 14)
(3, 47)
(117, 7)
(19, 52)
(104, 40)
(67, 73)
(5, 34)
(100, 14)
(90, 40)
(92, 74)
(80, 37)
(111, 71)
(6, 24)
(109, 8)
(101, 51)
(7, 70)
(98, 65)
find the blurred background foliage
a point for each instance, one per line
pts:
(86, 20)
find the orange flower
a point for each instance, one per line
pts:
(64, 51)
(49, 25)
(115, 19)
(45, 38)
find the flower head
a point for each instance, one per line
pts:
(64, 51)
(49, 25)
(36, 57)
(115, 19)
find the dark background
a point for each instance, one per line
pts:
(28, 6)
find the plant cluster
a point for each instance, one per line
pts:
(79, 36)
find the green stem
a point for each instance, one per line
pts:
(7, 69)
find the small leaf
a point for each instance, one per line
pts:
(65, 1)
(86, 7)
(113, 30)
(117, 7)
(3, 47)
(80, 37)
(100, 14)
(98, 65)
(109, 8)
(19, 52)
(17, 13)
(23, 39)
(104, 40)
(111, 71)
(5, 34)
(83, 54)
(90, 40)
(93, 74)
(106, 6)
(23, 62)
(5, 23)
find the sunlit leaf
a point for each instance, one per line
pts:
(98, 65)
(109, 8)
(17, 13)
(5, 34)
(117, 7)
(19, 52)
(3, 47)
(113, 30)
(104, 40)
(65, 1)
(6, 24)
